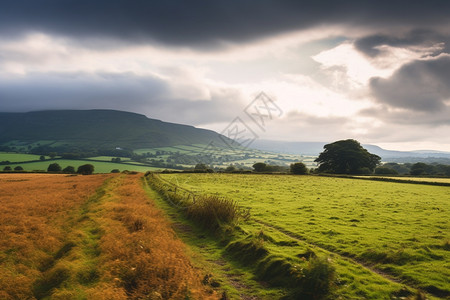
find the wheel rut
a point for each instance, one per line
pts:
(348, 258)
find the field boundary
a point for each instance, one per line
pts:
(388, 179)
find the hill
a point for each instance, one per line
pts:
(97, 129)
(314, 148)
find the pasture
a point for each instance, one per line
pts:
(398, 229)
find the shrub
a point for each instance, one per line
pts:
(86, 169)
(7, 168)
(18, 168)
(385, 171)
(299, 168)
(115, 171)
(55, 167)
(69, 170)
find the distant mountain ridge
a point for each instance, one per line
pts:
(314, 148)
(99, 129)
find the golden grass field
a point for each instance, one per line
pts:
(89, 237)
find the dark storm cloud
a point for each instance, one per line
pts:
(417, 37)
(207, 23)
(420, 85)
(126, 91)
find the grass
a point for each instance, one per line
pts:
(35, 210)
(100, 167)
(402, 229)
(18, 157)
(89, 237)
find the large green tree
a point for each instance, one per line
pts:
(346, 157)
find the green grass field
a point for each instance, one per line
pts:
(400, 229)
(100, 167)
(18, 157)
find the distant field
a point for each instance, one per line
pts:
(445, 180)
(100, 167)
(401, 229)
(17, 157)
(108, 158)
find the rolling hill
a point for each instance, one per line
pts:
(105, 129)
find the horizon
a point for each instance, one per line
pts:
(375, 72)
(250, 146)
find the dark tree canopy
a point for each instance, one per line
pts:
(299, 168)
(259, 167)
(55, 167)
(69, 170)
(86, 169)
(346, 157)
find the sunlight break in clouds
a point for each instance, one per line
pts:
(375, 71)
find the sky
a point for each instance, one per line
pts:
(375, 71)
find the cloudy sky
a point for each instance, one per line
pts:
(376, 71)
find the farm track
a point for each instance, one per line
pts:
(343, 256)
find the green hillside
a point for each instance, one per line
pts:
(97, 129)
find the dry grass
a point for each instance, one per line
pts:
(86, 237)
(34, 209)
(140, 252)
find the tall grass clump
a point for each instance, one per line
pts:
(208, 211)
(211, 211)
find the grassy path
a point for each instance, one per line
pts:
(234, 280)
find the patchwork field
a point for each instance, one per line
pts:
(397, 229)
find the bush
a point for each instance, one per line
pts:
(385, 171)
(86, 169)
(299, 168)
(54, 168)
(69, 170)
(115, 171)
(7, 168)
(18, 168)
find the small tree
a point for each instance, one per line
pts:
(201, 166)
(115, 171)
(52, 155)
(18, 168)
(7, 168)
(86, 169)
(230, 169)
(54, 168)
(260, 167)
(42, 157)
(299, 168)
(69, 170)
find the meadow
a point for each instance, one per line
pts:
(397, 229)
(100, 166)
(89, 237)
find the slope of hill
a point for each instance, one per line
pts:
(98, 129)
